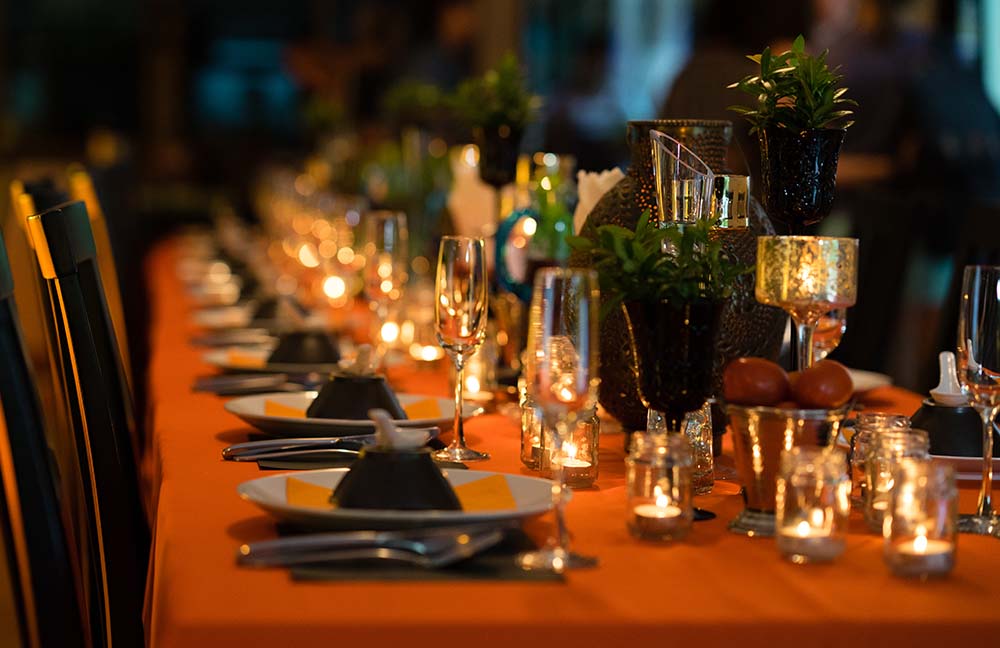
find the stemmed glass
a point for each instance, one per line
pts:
(385, 274)
(807, 276)
(562, 376)
(979, 374)
(460, 312)
(683, 181)
(829, 331)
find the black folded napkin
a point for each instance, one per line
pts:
(497, 563)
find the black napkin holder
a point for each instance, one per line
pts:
(306, 347)
(350, 397)
(402, 480)
(268, 308)
(953, 431)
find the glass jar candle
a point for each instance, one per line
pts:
(658, 471)
(580, 452)
(697, 428)
(888, 447)
(920, 523)
(861, 445)
(812, 504)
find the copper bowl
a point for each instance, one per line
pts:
(760, 435)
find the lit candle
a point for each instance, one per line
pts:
(803, 542)
(921, 557)
(576, 472)
(661, 520)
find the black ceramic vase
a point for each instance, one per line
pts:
(306, 347)
(498, 150)
(748, 328)
(799, 175)
(674, 346)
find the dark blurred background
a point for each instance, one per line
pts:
(174, 103)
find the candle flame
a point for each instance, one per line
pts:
(662, 501)
(920, 544)
(802, 529)
(569, 448)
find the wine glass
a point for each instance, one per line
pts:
(807, 276)
(979, 373)
(385, 273)
(829, 331)
(460, 313)
(562, 376)
(683, 181)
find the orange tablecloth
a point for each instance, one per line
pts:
(715, 588)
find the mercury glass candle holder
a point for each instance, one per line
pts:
(658, 472)
(920, 524)
(865, 428)
(889, 447)
(812, 504)
(807, 276)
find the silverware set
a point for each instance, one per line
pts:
(431, 548)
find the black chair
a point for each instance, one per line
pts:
(47, 583)
(100, 408)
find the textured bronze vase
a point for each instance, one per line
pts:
(799, 174)
(748, 328)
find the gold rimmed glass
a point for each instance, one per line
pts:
(461, 310)
(807, 276)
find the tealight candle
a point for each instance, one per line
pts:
(577, 472)
(919, 528)
(659, 487)
(803, 543)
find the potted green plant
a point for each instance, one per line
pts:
(801, 116)
(496, 107)
(673, 305)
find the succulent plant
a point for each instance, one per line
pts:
(796, 91)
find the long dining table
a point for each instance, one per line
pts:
(713, 588)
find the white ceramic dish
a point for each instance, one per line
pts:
(222, 358)
(868, 380)
(251, 410)
(238, 316)
(532, 495)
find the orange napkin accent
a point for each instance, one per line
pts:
(237, 359)
(487, 494)
(274, 408)
(427, 408)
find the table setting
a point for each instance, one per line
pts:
(362, 431)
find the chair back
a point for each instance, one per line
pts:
(81, 187)
(101, 411)
(47, 583)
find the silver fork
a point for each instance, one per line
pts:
(429, 553)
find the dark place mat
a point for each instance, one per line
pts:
(497, 563)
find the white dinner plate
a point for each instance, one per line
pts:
(967, 468)
(223, 358)
(251, 410)
(868, 380)
(532, 496)
(238, 316)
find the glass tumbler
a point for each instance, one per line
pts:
(921, 521)
(812, 504)
(658, 472)
(888, 448)
(861, 445)
(697, 428)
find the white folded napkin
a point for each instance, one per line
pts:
(591, 187)
(388, 436)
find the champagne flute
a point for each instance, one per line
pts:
(561, 373)
(460, 312)
(807, 276)
(385, 273)
(979, 374)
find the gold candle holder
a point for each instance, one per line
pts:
(807, 276)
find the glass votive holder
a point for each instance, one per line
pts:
(580, 449)
(658, 472)
(861, 445)
(920, 524)
(889, 446)
(812, 504)
(697, 427)
(531, 433)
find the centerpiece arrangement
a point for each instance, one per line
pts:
(673, 305)
(801, 117)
